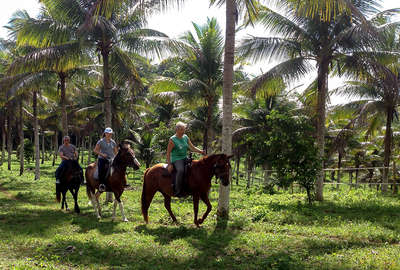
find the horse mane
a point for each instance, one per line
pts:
(206, 159)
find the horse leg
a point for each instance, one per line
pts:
(75, 196)
(167, 204)
(64, 201)
(204, 198)
(121, 208)
(196, 208)
(97, 195)
(96, 205)
(146, 201)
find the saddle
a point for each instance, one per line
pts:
(188, 166)
(96, 171)
(77, 173)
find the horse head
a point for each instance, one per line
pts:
(222, 168)
(127, 156)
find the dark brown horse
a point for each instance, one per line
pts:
(115, 181)
(70, 180)
(198, 184)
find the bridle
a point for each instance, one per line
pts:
(219, 170)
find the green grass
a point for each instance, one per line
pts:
(352, 229)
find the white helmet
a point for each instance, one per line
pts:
(108, 130)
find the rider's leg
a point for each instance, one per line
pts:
(59, 171)
(81, 174)
(180, 168)
(102, 173)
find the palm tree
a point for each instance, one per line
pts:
(303, 39)
(377, 74)
(56, 48)
(201, 68)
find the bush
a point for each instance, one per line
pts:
(287, 145)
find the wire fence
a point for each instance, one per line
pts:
(349, 176)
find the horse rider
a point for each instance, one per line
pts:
(67, 151)
(106, 149)
(176, 154)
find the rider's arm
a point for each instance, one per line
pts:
(62, 156)
(194, 148)
(76, 154)
(169, 149)
(115, 150)
(96, 150)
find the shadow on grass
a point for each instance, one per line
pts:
(331, 213)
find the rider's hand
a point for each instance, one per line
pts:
(203, 152)
(170, 168)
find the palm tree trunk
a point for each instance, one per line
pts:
(388, 147)
(3, 141)
(338, 172)
(9, 133)
(36, 135)
(89, 159)
(55, 145)
(107, 89)
(107, 100)
(21, 136)
(82, 148)
(322, 92)
(231, 13)
(63, 104)
(207, 132)
(43, 146)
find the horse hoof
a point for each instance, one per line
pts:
(125, 220)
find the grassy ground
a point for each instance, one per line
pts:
(357, 229)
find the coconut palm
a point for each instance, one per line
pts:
(201, 69)
(377, 73)
(302, 39)
(55, 46)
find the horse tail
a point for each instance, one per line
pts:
(58, 192)
(144, 203)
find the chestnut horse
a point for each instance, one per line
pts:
(70, 180)
(116, 179)
(197, 184)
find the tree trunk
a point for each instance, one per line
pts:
(237, 168)
(267, 174)
(388, 147)
(89, 159)
(3, 141)
(43, 150)
(207, 132)
(338, 172)
(231, 13)
(248, 171)
(395, 187)
(10, 114)
(36, 135)
(82, 148)
(55, 147)
(107, 97)
(107, 89)
(322, 92)
(21, 136)
(64, 117)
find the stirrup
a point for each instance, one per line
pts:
(58, 181)
(102, 187)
